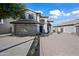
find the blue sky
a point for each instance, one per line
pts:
(58, 12)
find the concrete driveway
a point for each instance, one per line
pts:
(59, 45)
(14, 46)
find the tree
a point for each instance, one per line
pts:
(14, 10)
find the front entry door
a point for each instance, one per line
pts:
(41, 29)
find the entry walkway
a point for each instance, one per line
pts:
(59, 45)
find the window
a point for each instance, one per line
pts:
(1, 21)
(29, 16)
(42, 21)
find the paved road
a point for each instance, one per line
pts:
(59, 45)
(14, 46)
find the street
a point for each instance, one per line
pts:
(59, 45)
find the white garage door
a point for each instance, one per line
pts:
(69, 29)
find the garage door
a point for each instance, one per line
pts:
(69, 29)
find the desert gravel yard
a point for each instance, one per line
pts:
(59, 45)
(14, 46)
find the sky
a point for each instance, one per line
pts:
(58, 12)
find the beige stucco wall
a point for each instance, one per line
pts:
(26, 29)
(57, 29)
(6, 26)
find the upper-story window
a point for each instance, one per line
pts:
(42, 21)
(1, 21)
(29, 16)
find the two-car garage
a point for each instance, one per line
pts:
(70, 27)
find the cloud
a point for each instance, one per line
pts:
(60, 16)
(75, 12)
(53, 17)
(57, 13)
(65, 14)
(40, 12)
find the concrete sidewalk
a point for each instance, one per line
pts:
(59, 45)
(14, 46)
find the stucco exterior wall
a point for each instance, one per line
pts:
(59, 29)
(26, 29)
(6, 26)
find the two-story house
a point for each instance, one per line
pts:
(33, 24)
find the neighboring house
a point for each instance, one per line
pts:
(5, 26)
(69, 27)
(33, 24)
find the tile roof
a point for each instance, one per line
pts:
(69, 23)
(25, 22)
